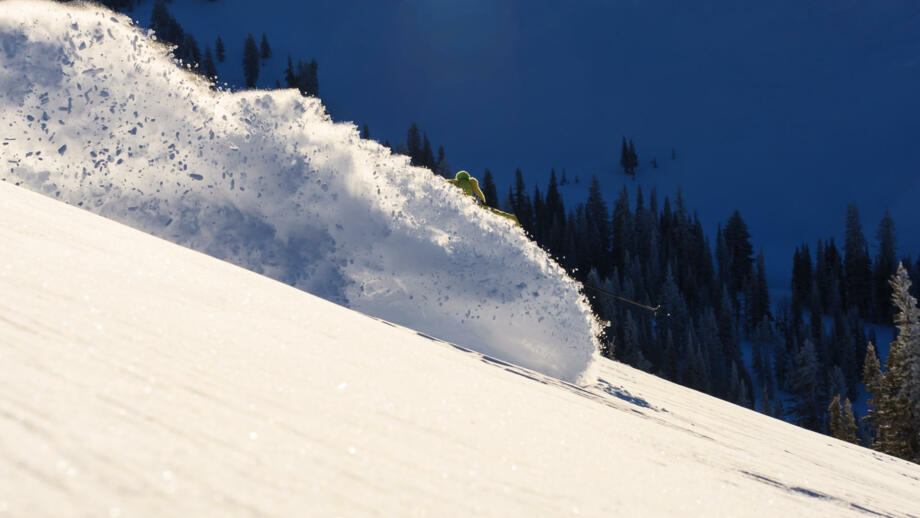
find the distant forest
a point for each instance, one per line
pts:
(809, 354)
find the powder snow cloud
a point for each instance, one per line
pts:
(96, 113)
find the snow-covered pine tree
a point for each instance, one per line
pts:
(842, 421)
(903, 368)
(836, 382)
(850, 429)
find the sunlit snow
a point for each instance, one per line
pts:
(95, 114)
(140, 378)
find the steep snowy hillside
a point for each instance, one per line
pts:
(96, 114)
(140, 378)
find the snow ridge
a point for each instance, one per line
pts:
(96, 114)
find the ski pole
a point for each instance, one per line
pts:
(654, 310)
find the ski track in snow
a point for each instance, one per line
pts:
(96, 114)
(140, 378)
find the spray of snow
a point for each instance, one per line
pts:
(96, 113)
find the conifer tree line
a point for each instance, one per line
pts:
(893, 416)
(803, 369)
(421, 153)
(629, 160)
(303, 76)
(655, 252)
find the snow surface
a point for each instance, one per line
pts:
(97, 115)
(141, 378)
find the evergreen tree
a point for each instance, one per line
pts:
(555, 216)
(885, 266)
(757, 294)
(835, 417)
(414, 144)
(522, 206)
(762, 352)
(164, 25)
(265, 50)
(312, 79)
(850, 428)
(876, 405)
(842, 421)
(208, 68)
(831, 278)
(836, 383)
(802, 277)
(805, 385)
(118, 5)
(598, 227)
(738, 241)
(696, 373)
(623, 229)
(856, 264)
(625, 160)
(489, 190)
(766, 402)
(633, 158)
(290, 78)
(903, 367)
(188, 50)
(442, 166)
(723, 258)
(442, 157)
(365, 132)
(219, 49)
(895, 394)
(427, 154)
(303, 77)
(250, 62)
(539, 218)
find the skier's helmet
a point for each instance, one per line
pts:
(462, 176)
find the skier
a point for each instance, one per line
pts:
(470, 187)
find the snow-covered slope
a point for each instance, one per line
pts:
(96, 114)
(140, 378)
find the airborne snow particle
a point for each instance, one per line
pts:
(62, 149)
